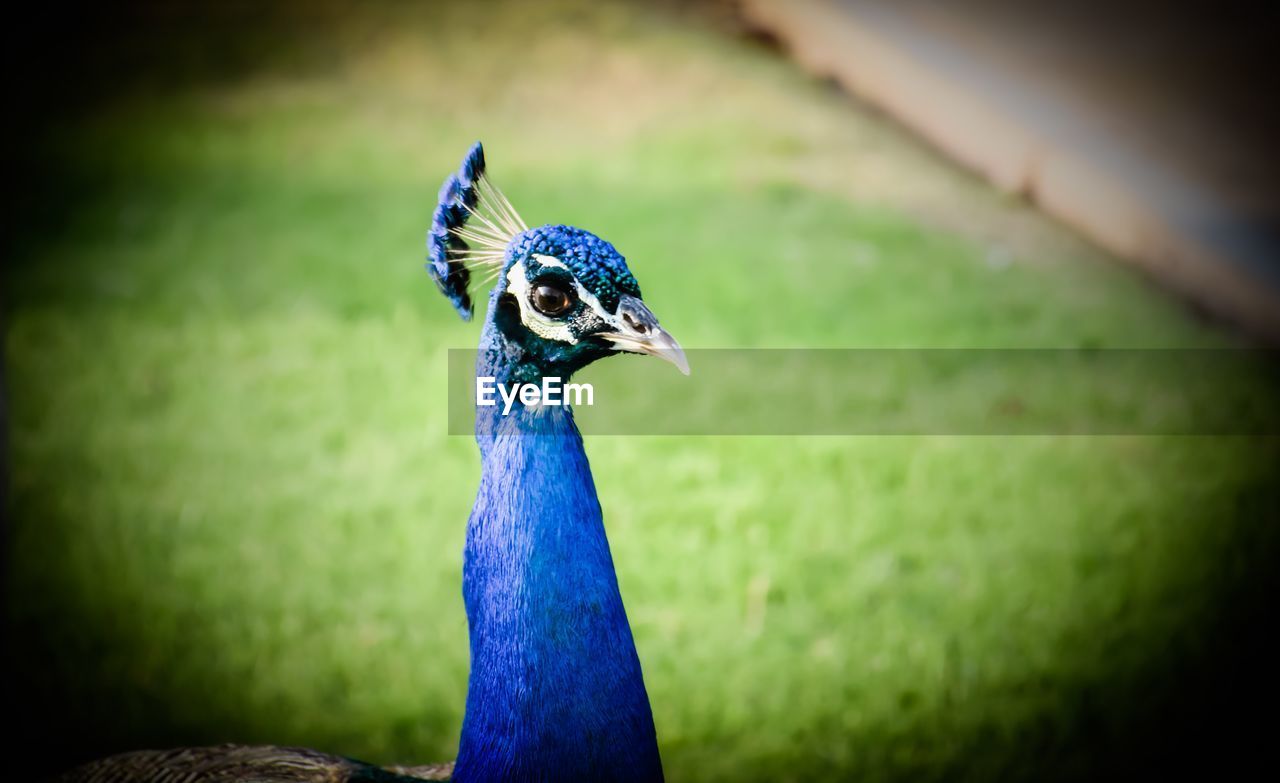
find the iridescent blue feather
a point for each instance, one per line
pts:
(459, 196)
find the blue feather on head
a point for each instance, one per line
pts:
(563, 296)
(445, 248)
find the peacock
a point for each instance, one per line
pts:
(555, 691)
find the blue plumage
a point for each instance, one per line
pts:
(458, 196)
(555, 691)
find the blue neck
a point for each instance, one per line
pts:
(556, 691)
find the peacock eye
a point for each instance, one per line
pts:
(550, 299)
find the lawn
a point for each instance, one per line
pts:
(236, 514)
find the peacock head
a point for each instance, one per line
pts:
(562, 297)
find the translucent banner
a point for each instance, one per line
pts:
(903, 392)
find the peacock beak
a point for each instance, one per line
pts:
(638, 332)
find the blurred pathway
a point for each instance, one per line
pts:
(1148, 128)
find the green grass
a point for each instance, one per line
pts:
(236, 514)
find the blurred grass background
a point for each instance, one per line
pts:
(234, 513)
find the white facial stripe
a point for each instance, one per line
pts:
(583, 293)
(551, 261)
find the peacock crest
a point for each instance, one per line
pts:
(472, 226)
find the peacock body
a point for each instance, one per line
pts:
(556, 691)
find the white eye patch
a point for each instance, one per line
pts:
(518, 284)
(544, 326)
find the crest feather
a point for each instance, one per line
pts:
(454, 248)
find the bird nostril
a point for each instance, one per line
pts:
(634, 324)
